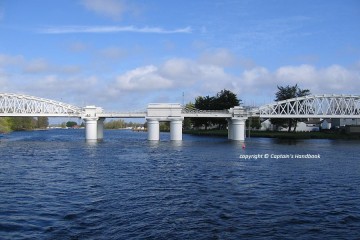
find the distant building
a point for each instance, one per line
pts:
(342, 122)
(326, 123)
(311, 125)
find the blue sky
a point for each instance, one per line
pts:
(122, 55)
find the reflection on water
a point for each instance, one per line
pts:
(55, 185)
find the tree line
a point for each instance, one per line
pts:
(226, 99)
(8, 124)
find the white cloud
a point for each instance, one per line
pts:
(184, 71)
(108, 8)
(332, 79)
(111, 29)
(168, 80)
(6, 60)
(142, 79)
(3, 79)
(37, 66)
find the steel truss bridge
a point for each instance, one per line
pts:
(315, 106)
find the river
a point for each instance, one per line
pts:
(54, 185)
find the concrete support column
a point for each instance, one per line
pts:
(176, 129)
(153, 129)
(91, 128)
(238, 129)
(100, 128)
(230, 129)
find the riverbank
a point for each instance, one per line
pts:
(280, 135)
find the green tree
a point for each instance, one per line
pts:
(284, 93)
(187, 123)
(21, 123)
(42, 122)
(254, 122)
(164, 126)
(71, 124)
(115, 124)
(5, 126)
(203, 103)
(223, 100)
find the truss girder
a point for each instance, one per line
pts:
(25, 105)
(317, 106)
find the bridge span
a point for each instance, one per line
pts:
(315, 106)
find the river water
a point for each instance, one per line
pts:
(54, 185)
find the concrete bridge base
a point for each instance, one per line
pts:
(94, 126)
(236, 129)
(156, 113)
(153, 128)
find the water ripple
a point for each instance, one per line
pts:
(55, 186)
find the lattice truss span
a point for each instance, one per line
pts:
(317, 106)
(24, 105)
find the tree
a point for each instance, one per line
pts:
(21, 123)
(187, 123)
(5, 126)
(42, 122)
(202, 103)
(223, 100)
(115, 124)
(284, 93)
(254, 122)
(71, 124)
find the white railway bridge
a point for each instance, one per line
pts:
(315, 106)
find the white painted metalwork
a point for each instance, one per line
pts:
(316, 106)
(24, 105)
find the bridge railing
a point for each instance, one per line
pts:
(194, 110)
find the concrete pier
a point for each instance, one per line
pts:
(100, 128)
(238, 129)
(176, 129)
(91, 129)
(153, 128)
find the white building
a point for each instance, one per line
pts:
(311, 125)
(326, 124)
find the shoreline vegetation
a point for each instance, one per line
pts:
(253, 134)
(278, 135)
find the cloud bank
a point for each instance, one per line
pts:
(167, 80)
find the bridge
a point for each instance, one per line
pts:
(315, 106)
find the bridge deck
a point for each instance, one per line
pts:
(123, 115)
